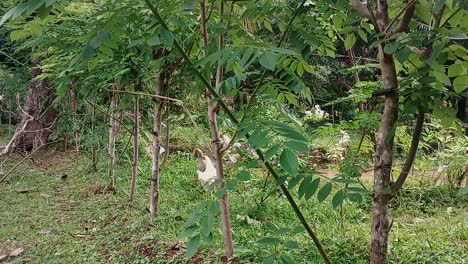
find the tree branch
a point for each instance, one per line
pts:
(411, 155)
(408, 12)
(362, 9)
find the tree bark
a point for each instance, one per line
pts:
(38, 116)
(112, 135)
(136, 137)
(155, 172)
(73, 107)
(214, 131)
(93, 130)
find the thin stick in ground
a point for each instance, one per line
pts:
(136, 136)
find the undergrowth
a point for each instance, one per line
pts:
(68, 217)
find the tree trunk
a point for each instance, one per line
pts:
(136, 137)
(73, 107)
(216, 144)
(38, 116)
(93, 148)
(155, 173)
(384, 155)
(112, 135)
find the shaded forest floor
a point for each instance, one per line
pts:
(57, 210)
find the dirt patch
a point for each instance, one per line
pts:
(148, 249)
(224, 259)
(197, 259)
(173, 251)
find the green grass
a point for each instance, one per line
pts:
(76, 221)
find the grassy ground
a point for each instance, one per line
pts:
(69, 218)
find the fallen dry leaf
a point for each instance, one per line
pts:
(45, 195)
(16, 252)
(44, 232)
(26, 190)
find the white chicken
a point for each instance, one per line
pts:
(319, 113)
(205, 169)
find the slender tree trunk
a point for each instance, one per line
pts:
(136, 137)
(112, 136)
(73, 107)
(9, 120)
(38, 116)
(214, 131)
(93, 131)
(155, 173)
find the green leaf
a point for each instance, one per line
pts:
(267, 25)
(36, 29)
(287, 259)
(460, 83)
(88, 53)
(288, 161)
(362, 34)
(192, 246)
(455, 70)
(213, 208)
(300, 70)
(287, 131)
(243, 175)
(297, 146)
(94, 43)
(8, 15)
(189, 5)
(442, 77)
(436, 52)
(312, 189)
(167, 38)
(338, 198)
(324, 192)
(271, 152)
(17, 35)
(447, 121)
(438, 5)
(345, 180)
(291, 244)
(355, 197)
(463, 191)
(154, 41)
(206, 225)
(248, 56)
(268, 60)
(271, 241)
(270, 259)
(104, 35)
(391, 47)
(258, 138)
(358, 190)
(188, 232)
(305, 185)
(349, 41)
(294, 181)
(403, 54)
(107, 51)
(32, 6)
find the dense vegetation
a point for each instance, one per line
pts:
(319, 132)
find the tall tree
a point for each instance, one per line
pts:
(37, 116)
